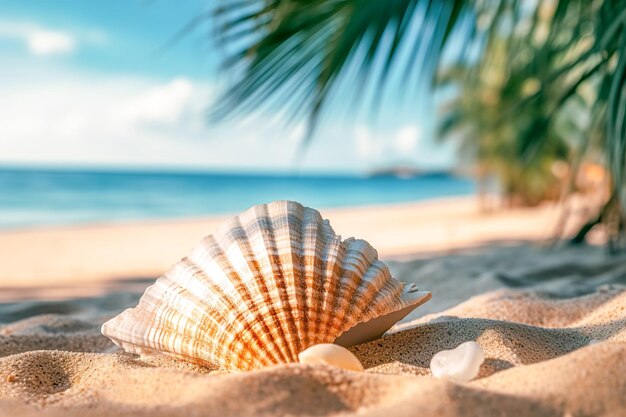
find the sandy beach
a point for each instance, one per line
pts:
(77, 256)
(551, 321)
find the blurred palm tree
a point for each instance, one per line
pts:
(493, 145)
(535, 82)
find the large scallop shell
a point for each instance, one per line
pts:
(265, 286)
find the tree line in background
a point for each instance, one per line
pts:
(535, 91)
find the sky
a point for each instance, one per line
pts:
(86, 84)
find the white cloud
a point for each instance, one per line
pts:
(73, 118)
(401, 146)
(367, 144)
(164, 104)
(48, 42)
(43, 41)
(373, 145)
(129, 121)
(406, 139)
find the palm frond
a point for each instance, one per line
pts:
(553, 62)
(295, 51)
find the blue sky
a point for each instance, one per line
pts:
(82, 85)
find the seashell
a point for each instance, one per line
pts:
(265, 286)
(460, 364)
(330, 354)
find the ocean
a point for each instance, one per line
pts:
(53, 197)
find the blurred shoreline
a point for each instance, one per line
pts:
(37, 197)
(90, 257)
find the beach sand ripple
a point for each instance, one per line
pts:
(545, 357)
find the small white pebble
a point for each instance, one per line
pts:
(330, 354)
(460, 364)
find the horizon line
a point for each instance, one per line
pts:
(387, 170)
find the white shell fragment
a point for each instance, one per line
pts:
(265, 286)
(330, 354)
(460, 364)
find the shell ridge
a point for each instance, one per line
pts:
(287, 218)
(387, 299)
(158, 332)
(209, 256)
(363, 260)
(172, 318)
(258, 300)
(314, 231)
(269, 240)
(119, 327)
(333, 270)
(249, 311)
(371, 283)
(165, 302)
(255, 223)
(143, 350)
(257, 240)
(237, 296)
(358, 256)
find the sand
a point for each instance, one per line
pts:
(552, 323)
(43, 260)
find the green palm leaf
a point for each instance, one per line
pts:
(294, 51)
(291, 55)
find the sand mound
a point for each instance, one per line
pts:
(564, 272)
(545, 357)
(63, 383)
(53, 332)
(536, 310)
(505, 344)
(588, 382)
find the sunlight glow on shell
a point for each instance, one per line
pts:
(265, 286)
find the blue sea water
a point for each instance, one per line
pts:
(54, 197)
